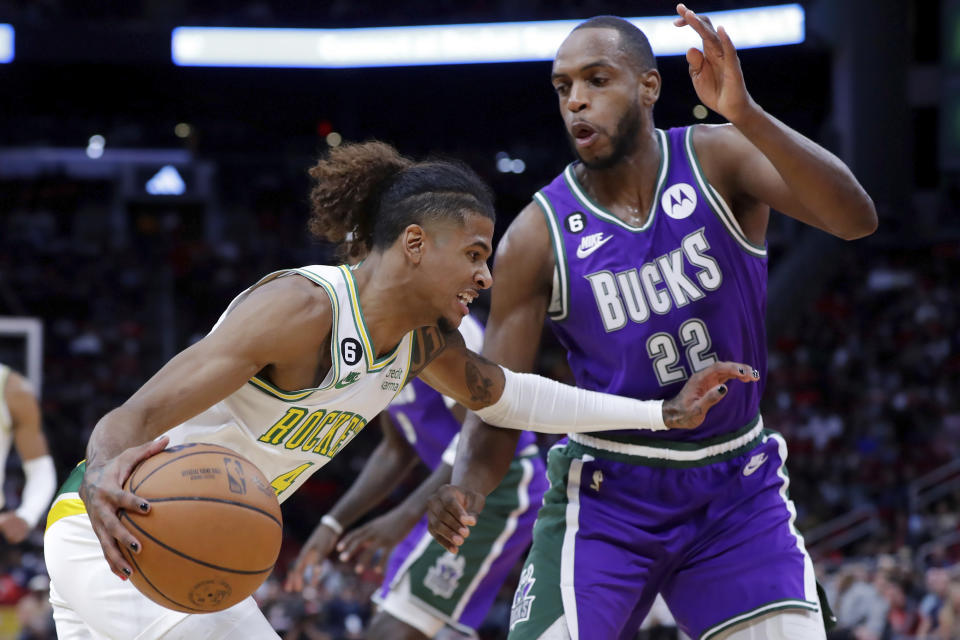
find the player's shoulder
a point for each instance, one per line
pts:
(722, 150)
(717, 142)
(527, 232)
(292, 302)
(16, 386)
(20, 397)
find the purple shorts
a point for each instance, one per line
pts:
(708, 525)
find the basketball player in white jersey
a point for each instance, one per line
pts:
(20, 426)
(298, 364)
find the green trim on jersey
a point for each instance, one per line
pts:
(717, 203)
(559, 255)
(603, 214)
(293, 396)
(373, 364)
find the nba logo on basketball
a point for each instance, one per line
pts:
(238, 483)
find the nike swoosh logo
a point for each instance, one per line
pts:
(754, 464)
(346, 382)
(583, 253)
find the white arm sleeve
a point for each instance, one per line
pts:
(534, 403)
(39, 488)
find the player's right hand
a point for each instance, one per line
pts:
(704, 389)
(318, 546)
(103, 496)
(451, 511)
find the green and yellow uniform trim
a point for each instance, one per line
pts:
(373, 364)
(293, 396)
(65, 504)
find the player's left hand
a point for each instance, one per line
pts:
(14, 528)
(715, 71)
(369, 546)
(451, 511)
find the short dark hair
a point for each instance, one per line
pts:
(633, 42)
(366, 194)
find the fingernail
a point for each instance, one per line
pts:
(343, 557)
(135, 547)
(359, 569)
(756, 374)
(126, 572)
(740, 369)
(143, 506)
(457, 540)
(722, 389)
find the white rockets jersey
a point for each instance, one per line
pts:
(6, 427)
(291, 434)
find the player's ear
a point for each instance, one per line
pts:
(649, 87)
(411, 240)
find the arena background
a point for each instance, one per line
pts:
(863, 336)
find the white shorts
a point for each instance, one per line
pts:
(91, 603)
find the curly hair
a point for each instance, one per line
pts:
(365, 194)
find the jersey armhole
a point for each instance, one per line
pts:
(716, 202)
(559, 305)
(333, 374)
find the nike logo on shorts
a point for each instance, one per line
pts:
(754, 463)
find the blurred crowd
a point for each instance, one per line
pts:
(861, 382)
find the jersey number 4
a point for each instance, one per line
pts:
(283, 481)
(662, 348)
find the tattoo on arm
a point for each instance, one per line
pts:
(427, 343)
(91, 478)
(478, 384)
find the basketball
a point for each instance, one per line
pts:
(213, 532)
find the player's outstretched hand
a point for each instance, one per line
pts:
(715, 71)
(307, 568)
(451, 511)
(369, 546)
(103, 496)
(704, 389)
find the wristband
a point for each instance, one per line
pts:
(332, 523)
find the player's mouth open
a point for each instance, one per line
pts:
(584, 134)
(465, 298)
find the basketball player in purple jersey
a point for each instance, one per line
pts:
(648, 255)
(426, 588)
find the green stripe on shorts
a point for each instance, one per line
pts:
(440, 579)
(538, 602)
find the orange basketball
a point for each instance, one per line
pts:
(213, 532)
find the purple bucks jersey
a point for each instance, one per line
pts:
(423, 415)
(641, 308)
